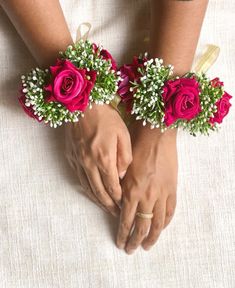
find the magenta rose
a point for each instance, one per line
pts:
(106, 56)
(70, 85)
(181, 99)
(129, 73)
(223, 106)
(28, 110)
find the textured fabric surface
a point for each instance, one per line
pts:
(51, 235)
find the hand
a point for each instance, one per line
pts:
(99, 149)
(148, 187)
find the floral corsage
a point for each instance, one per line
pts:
(84, 74)
(193, 102)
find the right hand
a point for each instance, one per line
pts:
(98, 147)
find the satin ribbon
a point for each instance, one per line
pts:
(83, 31)
(202, 65)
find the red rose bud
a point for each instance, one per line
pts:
(216, 83)
(129, 73)
(105, 55)
(223, 105)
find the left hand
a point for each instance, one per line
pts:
(148, 187)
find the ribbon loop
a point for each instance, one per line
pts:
(83, 31)
(207, 59)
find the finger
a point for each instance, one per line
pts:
(98, 189)
(126, 221)
(141, 227)
(82, 178)
(87, 188)
(170, 209)
(157, 224)
(124, 154)
(112, 184)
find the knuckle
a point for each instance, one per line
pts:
(86, 164)
(105, 163)
(94, 145)
(150, 195)
(151, 241)
(126, 160)
(125, 226)
(141, 231)
(170, 212)
(98, 192)
(157, 226)
(130, 195)
(114, 189)
(102, 153)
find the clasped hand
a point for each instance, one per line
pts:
(125, 171)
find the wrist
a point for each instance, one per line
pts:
(181, 64)
(51, 51)
(152, 136)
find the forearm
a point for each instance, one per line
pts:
(42, 26)
(175, 30)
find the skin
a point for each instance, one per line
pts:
(31, 19)
(151, 181)
(98, 147)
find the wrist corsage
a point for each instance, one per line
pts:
(153, 95)
(84, 74)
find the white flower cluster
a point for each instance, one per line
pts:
(81, 54)
(148, 104)
(53, 113)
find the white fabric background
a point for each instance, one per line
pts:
(53, 236)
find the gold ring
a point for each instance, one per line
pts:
(144, 215)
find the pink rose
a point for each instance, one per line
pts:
(129, 73)
(223, 106)
(181, 99)
(28, 110)
(106, 56)
(70, 85)
(216, 83)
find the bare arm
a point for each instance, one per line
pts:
(42, 26)
(175, 31)
(151, 181)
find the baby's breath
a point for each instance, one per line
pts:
(81, 55)
(148, 104)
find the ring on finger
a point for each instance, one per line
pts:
(144, 215)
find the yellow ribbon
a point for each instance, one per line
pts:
(83, 31)
(202, 65)
(207, 59)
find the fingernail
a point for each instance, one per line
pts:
(122, 174)
(120, 245)
(131, 251)
(146, 248)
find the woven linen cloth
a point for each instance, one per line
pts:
(52, 236)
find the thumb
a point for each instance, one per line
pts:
(124, 154)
